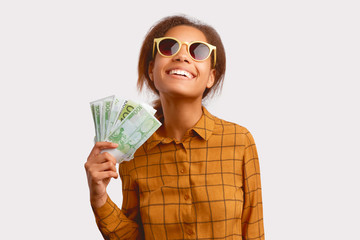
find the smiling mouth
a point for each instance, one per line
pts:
(179, 72)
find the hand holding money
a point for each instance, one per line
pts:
(125, 122)
(100, 168)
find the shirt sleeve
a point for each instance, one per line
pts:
(115, 223)
(252, 216)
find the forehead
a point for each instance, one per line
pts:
(186, 33)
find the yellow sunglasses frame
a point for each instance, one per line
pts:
(158, 40)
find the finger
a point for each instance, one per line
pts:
(99, 146)
(103, 158)
(94, 168)
(106, 157)
(100, 176)
(106, 166)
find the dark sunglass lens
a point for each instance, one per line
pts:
(168, 47)
(199, 51)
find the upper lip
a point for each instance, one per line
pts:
(181, 69)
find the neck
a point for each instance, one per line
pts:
(180, 115)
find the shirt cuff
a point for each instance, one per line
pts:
(104, 211)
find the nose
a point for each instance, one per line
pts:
(182, 55)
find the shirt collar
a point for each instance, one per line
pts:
(204, 128)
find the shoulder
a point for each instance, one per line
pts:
(222, 125)
(230, 129)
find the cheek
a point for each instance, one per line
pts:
(205, 67)
(157, 77)
(205, 73)
(158, 67)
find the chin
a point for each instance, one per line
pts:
(183, 95)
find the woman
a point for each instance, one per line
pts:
(197, 176)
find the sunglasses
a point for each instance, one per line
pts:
(198, 51)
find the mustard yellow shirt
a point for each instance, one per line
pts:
(204, 187)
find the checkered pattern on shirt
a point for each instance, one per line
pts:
(205, 187)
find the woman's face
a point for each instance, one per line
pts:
(168, 72)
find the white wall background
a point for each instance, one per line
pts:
(292, 79)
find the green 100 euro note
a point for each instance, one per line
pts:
(101, 110)
(132, 132)
(128, 124)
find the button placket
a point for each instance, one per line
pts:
(186, 208)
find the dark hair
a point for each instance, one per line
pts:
(159, 30)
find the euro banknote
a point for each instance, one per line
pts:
(125, 122)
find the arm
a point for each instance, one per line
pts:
(252, 216)
(112, 222)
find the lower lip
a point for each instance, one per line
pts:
(179, 77)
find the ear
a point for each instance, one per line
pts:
(150, 70)
(211, 79)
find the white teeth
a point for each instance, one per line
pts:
(181, 72)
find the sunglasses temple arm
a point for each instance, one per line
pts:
(214, 57)
(153, 51)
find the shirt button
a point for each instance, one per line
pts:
(182, 170)
(186, 197)
(190, 232)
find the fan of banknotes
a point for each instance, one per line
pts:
(124, 122)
